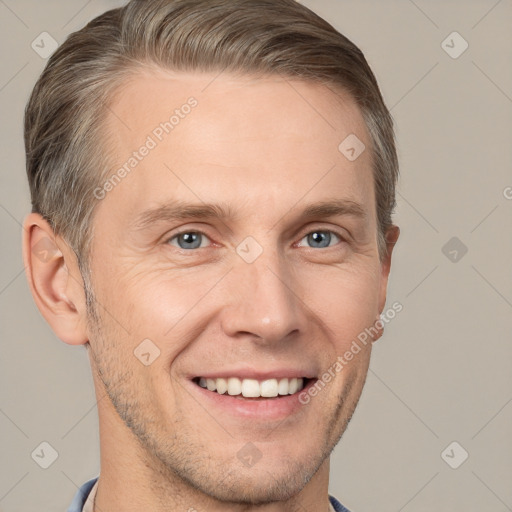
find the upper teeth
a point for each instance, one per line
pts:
(252, 388)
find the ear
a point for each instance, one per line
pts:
(54, 279)
(391, 238)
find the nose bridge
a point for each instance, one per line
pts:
(264, 301)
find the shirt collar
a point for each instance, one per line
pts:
(89, 504)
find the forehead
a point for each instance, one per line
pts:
(259, 141)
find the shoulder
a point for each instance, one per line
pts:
(81, 496)
(336, 505)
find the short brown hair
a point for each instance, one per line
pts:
(70, 100)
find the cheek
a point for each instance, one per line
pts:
(347, 302)
(161, 308)
(138, 296)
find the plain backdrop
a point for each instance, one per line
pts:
(440, 375)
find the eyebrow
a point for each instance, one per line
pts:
(179, 210)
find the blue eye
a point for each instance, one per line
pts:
(320, 239)
(188, 239)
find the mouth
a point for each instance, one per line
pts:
(263, 395)
(253, 389)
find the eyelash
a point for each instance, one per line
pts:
(176, 235)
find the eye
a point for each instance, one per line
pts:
(321, 238)
(188, 240)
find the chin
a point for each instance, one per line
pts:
(258, 486)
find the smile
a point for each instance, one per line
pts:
(253, 388)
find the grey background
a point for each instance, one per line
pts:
(442, 371)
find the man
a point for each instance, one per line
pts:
(213, 183)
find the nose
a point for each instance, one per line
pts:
(264, 301)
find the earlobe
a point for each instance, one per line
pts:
(54, 280)
(378, 329)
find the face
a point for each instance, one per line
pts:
(217, 263)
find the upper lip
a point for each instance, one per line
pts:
(250, 373)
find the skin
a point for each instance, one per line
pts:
(266, 148)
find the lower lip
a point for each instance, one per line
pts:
(264, 409)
